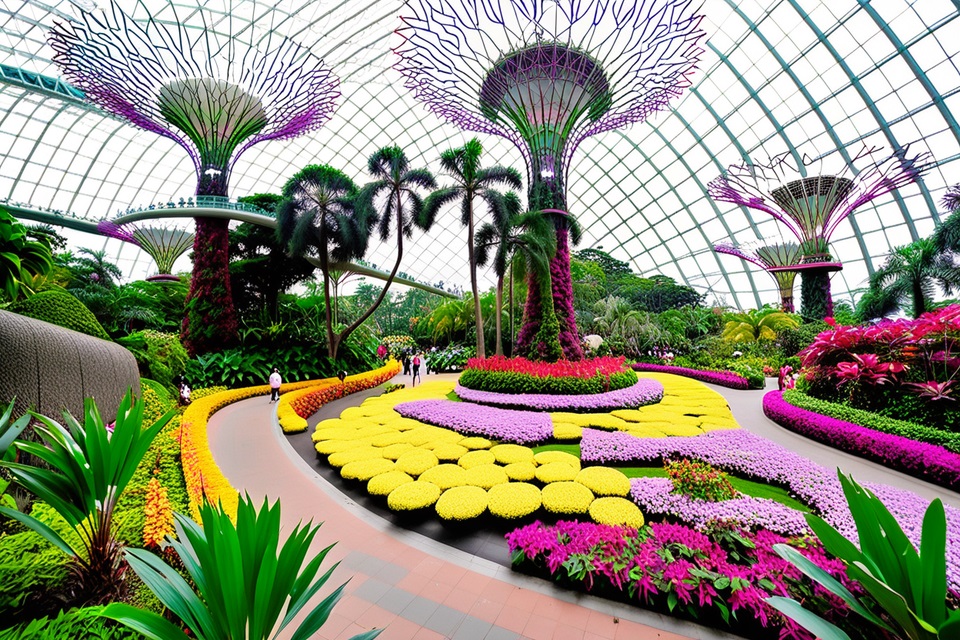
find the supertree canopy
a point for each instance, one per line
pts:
(164, 243)
(547, 74)
(780, 259)
(211, 93)
(812, 207)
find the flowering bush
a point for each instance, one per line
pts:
(721, 378)
(659, 496)
(462, 503)
(748, 455)
(416, 461)
(365, 470)
(556, 472)
(385, 483)
(513, 500)
(926, 461)
(414, 495)
(445, 476)
(615, 511)
(672, 566)
(546, 457)
(519, 375)
(521, 427)
(476, 458)
(604, 481)
(699, 480)
(569, 498)
(521, 471)
(397, 344)
(486, 476)
(642, 393)
(510, 453)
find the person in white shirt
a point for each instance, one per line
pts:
(275, 382)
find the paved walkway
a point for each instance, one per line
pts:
(421, 589)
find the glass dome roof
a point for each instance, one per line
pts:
(797, 76)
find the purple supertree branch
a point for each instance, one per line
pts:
(113, 230)
(733, 250)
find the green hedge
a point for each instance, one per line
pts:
(946, 439)
(62, 309)
(160, 356)
(513, 382)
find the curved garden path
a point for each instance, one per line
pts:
(419, 588)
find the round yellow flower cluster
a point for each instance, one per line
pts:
(417, 465)
(615, 511)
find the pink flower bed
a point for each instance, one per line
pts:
(505, 425)
(654, 496)
(649, 569)
(748, 455)
(722, 378)
(643, 393)
(923, 460)
(562, 369)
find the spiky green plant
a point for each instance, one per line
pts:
(243, 578)
(87, 472)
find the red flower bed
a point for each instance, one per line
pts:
(562, 369)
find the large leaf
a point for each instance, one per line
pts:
(48, 534)
(892, 602)
(807, 619)
(148, 623)
(933, 563)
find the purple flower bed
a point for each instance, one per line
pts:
(643, 393)
(654, 496)
(749, 455)
(923, 460)
(722, 378)
(519, 427)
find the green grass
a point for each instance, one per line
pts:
(453, 396)
(746, 487)
(573, 449)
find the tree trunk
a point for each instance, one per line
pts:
(499, 312)
(919, 301)
(210, 323)
(477, 313)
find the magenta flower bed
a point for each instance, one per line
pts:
(923, 460)
(643, 393)
(706, 579)
(519, 427)
(722, 378)
(748, 455)
(654, 496)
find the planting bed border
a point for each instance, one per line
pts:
(726, 379)
(919, 459)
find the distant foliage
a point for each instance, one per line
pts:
(160, 356)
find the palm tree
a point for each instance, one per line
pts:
(911, 272)
(639, 330)
(318, 213)
(757, 324)
(95, 266)
(529, 234)
(472, 182)
(393, 198)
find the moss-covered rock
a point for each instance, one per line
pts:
(62, 309)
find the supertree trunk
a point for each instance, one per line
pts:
(211, 321)
(816, 303)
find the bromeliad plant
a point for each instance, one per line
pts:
(86, 472)
(908, 588)
(243, 574)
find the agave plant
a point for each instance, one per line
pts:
(87, 473)
(909, 588)
(243, 577)
(8, 433)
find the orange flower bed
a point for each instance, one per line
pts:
(203, 476)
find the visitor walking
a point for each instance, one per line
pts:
(275, 382)
(382, 351)
(184, 393)
(406, 363)
(416, 369)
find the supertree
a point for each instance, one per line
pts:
(780, 259)
(162, 243)
(811, 207)
(213, 94)
(546, 75)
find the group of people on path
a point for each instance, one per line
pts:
(411, 365)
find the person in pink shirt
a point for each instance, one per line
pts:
(275, 382)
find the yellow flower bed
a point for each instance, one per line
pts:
(476, 458)
(416, 461)
(446, 476)
(449, 452)
(364, 470)
(513, 500)
(556, 472)
(486, 476)
(567, 431)
(546, 457)
(566, 498)
(510, 453)
(385, 483)
(604, 481)
(413, 495)
(462, 503)
(616, 511)
(521, 471)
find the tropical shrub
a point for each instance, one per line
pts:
(398, 344)
(452, 358)
(160, 356)
(667, 566)
(86, 474)
(250, 366)
(30, 568)
(77, 624)
(62, 309)
(699, 480)
(20, 257)
(757, 324)
(906, 588)
(243, 575)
